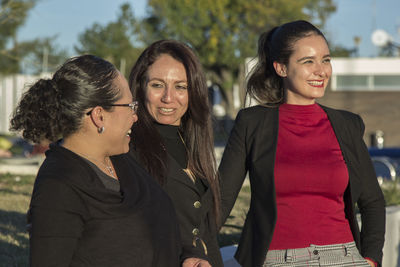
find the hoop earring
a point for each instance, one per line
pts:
(100, 130)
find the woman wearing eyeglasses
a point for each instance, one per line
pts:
(92, 205)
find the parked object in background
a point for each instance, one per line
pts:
(386, 168)
(386, 162)
(5, 153)
(5, 145)
(377, 139)
(19, 157)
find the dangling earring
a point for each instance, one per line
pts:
(100, 130)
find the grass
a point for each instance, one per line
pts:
(230, 232)
(391, 191)
(15, 192)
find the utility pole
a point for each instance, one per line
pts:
(45, 61)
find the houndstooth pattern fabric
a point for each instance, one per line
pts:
(338, 255)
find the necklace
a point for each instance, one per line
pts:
(187, 170)
(107, 165)
(109, 168)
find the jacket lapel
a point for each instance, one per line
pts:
(176, 173)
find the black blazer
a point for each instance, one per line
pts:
(77, 221)
(195, 214)
(251, 148)
(194, 211)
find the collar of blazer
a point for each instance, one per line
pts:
(176, 173)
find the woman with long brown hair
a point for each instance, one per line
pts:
(173, 140)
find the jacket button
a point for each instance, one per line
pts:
(315, 252)
(195, 231)
(197, 204)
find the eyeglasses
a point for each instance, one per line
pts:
(134, 106)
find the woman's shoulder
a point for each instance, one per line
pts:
(258, 111)
(63, 166)
(344, 114)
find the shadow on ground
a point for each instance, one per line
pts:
(14, 242)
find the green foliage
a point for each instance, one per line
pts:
(34, 52)
(13, 14)
(391, 191)
(340, 51)
(5, 144)
(389, 50)
(113, 41)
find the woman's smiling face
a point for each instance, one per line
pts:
(167, 96)
(308, 71)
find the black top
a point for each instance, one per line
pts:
(77, 221)
(174, 144)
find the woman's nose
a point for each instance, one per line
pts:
(320, 70)
(167, 95)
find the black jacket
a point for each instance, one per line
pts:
(194, 211)
(77, 221)
(195, 214)
(252, 147)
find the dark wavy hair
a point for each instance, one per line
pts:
(54, 108)
(264, 84)
(196, 127)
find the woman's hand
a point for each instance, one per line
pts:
(370, 262)
(195, 262)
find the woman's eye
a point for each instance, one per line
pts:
(327, 60)
(156, 85)
(308, 62)
(181, 87)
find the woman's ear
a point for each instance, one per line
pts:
(280, 69)
(97, 116)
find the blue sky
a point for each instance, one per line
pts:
(69, 18)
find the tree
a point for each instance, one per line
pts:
(12, 15)
(341, 51)
(225, 32)
(42, 55)
(114, 41)
(389, 50)
(28, 55)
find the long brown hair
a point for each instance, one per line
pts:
(196, 125)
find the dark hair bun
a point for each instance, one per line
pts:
(38, 112)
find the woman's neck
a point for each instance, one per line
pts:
(89, 149)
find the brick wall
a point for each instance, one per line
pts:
(379, 110)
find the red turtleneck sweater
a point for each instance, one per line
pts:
(310, 179)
